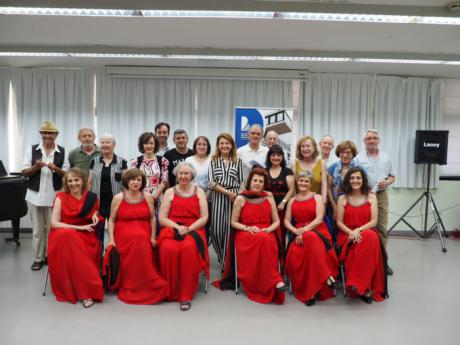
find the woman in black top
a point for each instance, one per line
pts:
(105, 175)
(280, 183)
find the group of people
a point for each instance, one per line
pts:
(166, 206)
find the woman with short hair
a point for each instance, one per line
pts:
(255, 222)
(183, 252)
(154, 166)
(132, 231)
(106, 172)
(311, 262)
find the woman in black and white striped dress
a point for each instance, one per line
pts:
(225, 180)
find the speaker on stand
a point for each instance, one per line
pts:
(430, 148)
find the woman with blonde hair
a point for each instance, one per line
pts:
(308, 159)
(225, 179)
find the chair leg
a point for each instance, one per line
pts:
(46, 281)
(342, 273)
(205, 283)
(236, 272)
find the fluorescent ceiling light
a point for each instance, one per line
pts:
(231, 58)
(308, 16)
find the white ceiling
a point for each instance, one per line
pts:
(234, 37)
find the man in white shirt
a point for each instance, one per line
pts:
(253, 154)
(44, 165)
(380, 174)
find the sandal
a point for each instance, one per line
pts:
(185, 306)
(331, 283)
(87, 303)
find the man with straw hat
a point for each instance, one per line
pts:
(44, 165)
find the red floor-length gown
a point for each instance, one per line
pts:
(74, 255)
(257, 256)
(364, 261)
(181, 261)
(140, 282)
(309, 265)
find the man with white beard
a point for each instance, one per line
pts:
(81, 156)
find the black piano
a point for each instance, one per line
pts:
(12, 201)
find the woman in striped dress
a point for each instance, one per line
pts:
(225, 179)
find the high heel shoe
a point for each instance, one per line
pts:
(331, 283)
(312, 301)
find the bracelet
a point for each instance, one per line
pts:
(245, 228)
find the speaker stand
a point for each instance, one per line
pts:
(438, 225)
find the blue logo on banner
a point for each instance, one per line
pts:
(245, 118)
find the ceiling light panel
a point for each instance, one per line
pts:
(308, 16)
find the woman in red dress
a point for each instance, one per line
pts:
(255, 222)
(132, 230)
(311, 262)
(73, 250)
(361, 248)
(182, 241)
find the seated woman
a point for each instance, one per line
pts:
(132, 230)
(255, 222)
(361, 248)
(311, 262)
(182, 242)
(73, 249)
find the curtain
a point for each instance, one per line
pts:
(4, 95)
(338, 105)
(64, 96)
(403, 105)
(346, 105)
(217, 100)
(129, 106)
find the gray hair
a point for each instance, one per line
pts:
(181, 165)
(304, 174)
(256, 125)
(108, 136)
(327, 136)
(86, 129)
(371, 130)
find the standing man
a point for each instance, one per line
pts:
(162, 134)
(44, 166)
(253, 154)
(80, 157)
(326, 146)
(380, 175)
(271, 138)
(178, 154)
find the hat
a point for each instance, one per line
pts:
(49, 127)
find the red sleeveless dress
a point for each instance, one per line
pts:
(364, 265)
(310, 265)
(140, 282)
(257, 255)
(73, 255)
(180, 261)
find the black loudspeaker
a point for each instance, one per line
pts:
(431, 147)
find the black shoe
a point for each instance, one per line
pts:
(36, 266)
(310, 302)
(389, 271)
(366, 299)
